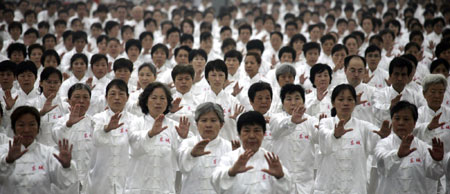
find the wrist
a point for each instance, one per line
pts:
(231, 172)
(8, 160)
(69, 124)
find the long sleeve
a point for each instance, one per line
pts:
(186, 161)
(281, 126)
(62, 177)
(220, 178)
(388, 161)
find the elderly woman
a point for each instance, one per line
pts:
(199, 155)
(404, 161)
(345, 142)
(434, 118)
(250, 168)
(318, 101)
(154, 141)
(27, 166)
(110, 139)
(284, 74)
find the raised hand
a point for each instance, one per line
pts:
(434, 123)
(236, 89)
(65, 153)
(235, 144)
(339, 130)
(48, 105)
(157, 126)
(321, 95)
(405, 147)
(385, 129)
(238, 109)
(395, 100)
(303, 78)
(227, 83)
(199, 148)
(75, 116)
(437, 151)
(176, 105)
(367, 78)
(267, 119)
(240, 166)
(114, 122)
(9, 100)
(275, 168)
(297, 115)
(198, 76)
(183, 127)
(321, 116)
(65, 75)
(15, 152)
(89, 83)
(274, 61)
(388, 82)
(431, 45)
(358, 99)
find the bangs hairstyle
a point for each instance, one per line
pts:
(216, 65)
(197, 52)
(207, 107)
(119, 84)
(319, 68)
(290, 89)
(405, 105)
(257, 87)
(49, 53)
(23, 110)
(143, 98)
(339, 89)
(251, 118)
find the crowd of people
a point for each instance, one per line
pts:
(258, 96)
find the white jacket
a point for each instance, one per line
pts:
(197, 171)
(49, 120)
(35, 171)
(295, 146)
(153, 160)
(110, 161)
(343, 168)
(407, 174)
(252, 181)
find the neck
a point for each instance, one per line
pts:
(399, 90)
(79, 76)
(372, 68)
(435, 109)
(344, 117)
(216, 90)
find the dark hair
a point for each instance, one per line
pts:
(182, 69)
(8, 65)
(195, 52)
(225, 28)
(133, 42)
(110, 25)
(319, 68)
(123, 63)
(405, 105)
(144, 34)
(415, 33)
(97, 57)
(173, 30)
(256, 87)
(150, 66)
(290, 89)
(101, 38)
(16, 47)
(436, 63)
(67, 34)
(160, 46)
(348, 37)
(143, 98)
(400, 62)
(255, 44)
(327, 37)
(295, 38)
(216, 65)
(79, 56)
(79, 35)
(35, 46)
(186, 37)
(337, 90)
(119, 84)
(205, 36)
(233, 54)
(48, 36)
(251, 118)
(440, 48)
(289, 50)
(31, 31)
(48, 53)
(310, 46)
(15, 24)
(276, 33)
(23, 110)
(47, 72)
(410, 45)
(228, 42)
(124, 28)
(78, 86)
(411, 58)
(25, 66)
(245, 26)
(372, 48)
(339, 47)
(349, 58)
(186, 48)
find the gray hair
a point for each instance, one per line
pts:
(285, 69)
(209, 107)
(432, 79)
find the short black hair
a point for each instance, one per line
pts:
(287, 49)
(25, 66)
(349, 58)
(48, 71)
(119, 84)
(415, 33)
(34, 46)
(405, 105)
(255, 44)
(291, 88)
(295, 38)
(276, 33)
(205, 36)
(228, 42)
(436, 63)
(48, 53)
(216, 65)
(144, 34)
(133, 42)
(8, 66)
(16, 47)
(23, 110)
(178, 49)
(319, 68)
(327, 37)
(245, 26)
(310, 46)
(251, 118)
(97, 57)
(31, 31)
(15, 24)
(78, 86)
(197, 52)
(79, 35)
(411, 58)
(233, 54)
(182, 69)
(160, 46)
(79, 56)
(441, 47)
(110, 25)
(337, 90)
(348, 37)
(372, 48)
(186, 37)
(143, 98)
(339, 47)
(399, 62)
(123, 63)
(256, 87)
(173, 30)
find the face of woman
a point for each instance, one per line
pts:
(27, 127)
(338, 57)
(79, 68)
(403, 122)
(157, 102)
(100, 68)
(322, 80)
(262, 101)
(51, 85)
(26, 81)
(291, 101)
(82, 98)
(251, 66)
(146, 77)
(117, 99)
(352, 46)
(159, 57)
(209, 125)
(198, 63)
(344, 103)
